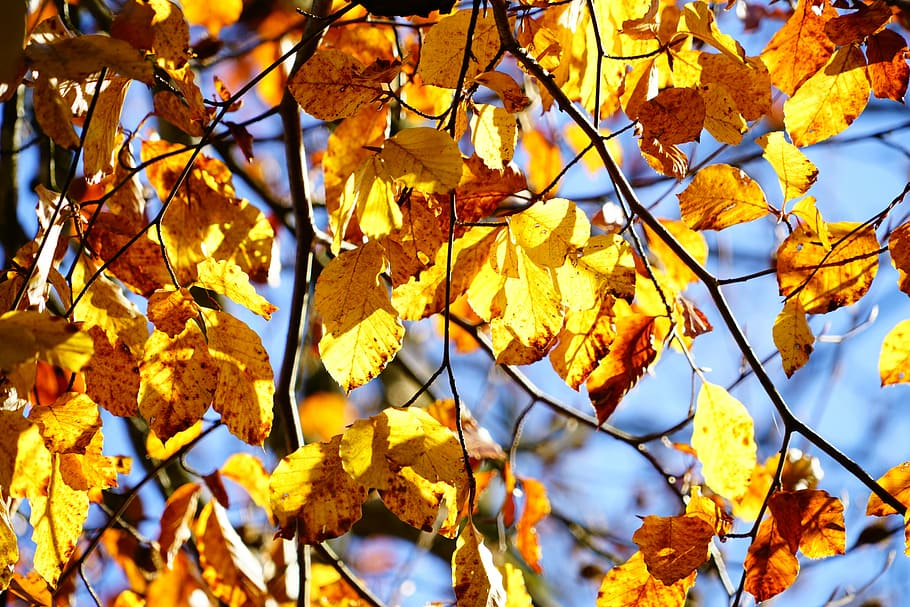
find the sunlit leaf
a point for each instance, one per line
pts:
(800, 48)
(807, 210)
(722, 116)
(494, 133)
(170, 309)
(509, 92)
(227, 278)
(25, 335)
(537, 506)
(721, 196)
(676, 115)
(632, 584)
(9, 549)
(424, 159)
(362, 330)
(445, 44)
(584, 341)
(792, 336)
(69, 424)
(333, 85)
(176, 518)
(370, 195)
(213, 15)
(54, 114)
(164, 449)
(896, 482)
(895, 355)
(673, 547)
(667, 160)
(771, 565)
(818, 517)
(105, 305)
(698, 20)
(311, 493)
(888, 71)
(824, 278)
(854, 28)
(25, 462)
(899, 248)
(79, 57)
(693, 242)
(247, 471)
(724, 439)
(795, 172)
(474, 576)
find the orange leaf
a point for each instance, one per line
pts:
(821, 522)
(512, 97)
(583, 342)
(792, 336)
(721, 196)
(826, 279)
(536, 507)
(896, 482)
(632, 584)
(213, 15)
(899, 248)
(800, 47)
(325, 414)
(112, 376)
(475, 579)
(886, 53)
(331, 85)
(854, 28)
(673, 547)
(170, 309)
(676, 115)
(179, 511)
(771, 565)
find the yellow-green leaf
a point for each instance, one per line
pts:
(227, 278)
(795, 172)
(894, 360)
(312, 494)
(362, 331)
(724, 439)
(424, 159)
(792, 336)
(720, 196)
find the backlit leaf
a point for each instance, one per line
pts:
(101, 139)
(170, 309)
(855, 27)
(163, 449)
(807, 210)
(106, 306)
(800, 48)
(227, 278)
(896, 482)
(894, 360)
(25, 462)
(818, 516)
(413, 461)
(698, 20)
(583, 342)
(25, 335)
(312, 494)
(244, 393)
(721, 196)
(673, 547)
(79, 57)
(771, 565)
(424, 159)
(899, 248)
(667, 160)
(179, 512)
(54, 115)
(823, 278)
(792, 336)
(537, 506)
(724, 439)
(722, 117)
(247, 471)
(676, 115)
(888, 71)
(474, 576)
(362, 330)
(494, 133)
(829, 101)
(177, 380)
(213, 15)
(9, 549)
(693, 242)
(604, 266)
(444, 46)
(370, 195)
(347, 149)
(331, 85)
(632, 584)
(512, 97)
(68, 424)
(795, 172)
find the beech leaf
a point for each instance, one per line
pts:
(424, 159)
(720, 196)
(474, 576)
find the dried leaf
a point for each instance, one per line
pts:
(509, 92)
(333, 85)
(800, 48)
(176, 517)
(474, 576)
(888, 71)
(69, 424)
(896, 482)
(676, 115)
(584, 341)
(854, 28)
(673, 547)
(771, 565)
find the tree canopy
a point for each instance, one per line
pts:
(307, 277)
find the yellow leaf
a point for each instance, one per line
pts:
(24, 460)
(474, 576)
(247, 471)
(632, 584)
(362, 330)
(494, 134)
(424, 159)
(583, 342)
(105, 305)
(899, 248)
(747, 83)
(93, 471)
(721, 196)
(227, 278)
(346, 150)
(800, 48)
(896, 482)
(667, 160)
(509, 92)
(676, 115)
(101, 138)
(325, 414)
(673, 547)
(413, 461)
(230, 569)
(711, 510)
(312, 494)
(170, 309)
(156, 26)
(177, 381)
(25, 335)
(79, 57)
(57, 515)
(213, 15)
(244, 394)
(9, 549)
(516, 590)
(697, 19)
(829, 101)
(176, 585)
(604, 266)
(795, 172)
(544, 159)
(771, 565)
(807, 210)
(549, 231)
(54, 115)
(722, 117)
(895, 355)
(724, 439)
(693, 242)
(444, 47)
(158, 449)
(331, 85)
(371, 195)
(792, 336)
(176, 517)
(537, 507)
(825, 279)
(69, 424)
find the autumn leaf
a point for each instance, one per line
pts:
(896, 482)
(69, 424)
(176, 518)
(723, 437)
(792, 336)
(817, 517)
(325, 414)
(362, 330)
(170, 309)
(771, 565)
(854, 28)
(673, 547)
(632, 584)
(474, 576)
(371, 196)
(795, 172)
(807, 211)
(698, 19)
(227, 278)
(9, 549)
(676, 115)
(311, 494)
(894, 357)
(213, 15)
(584, 341)
(721, 196)
(333, 85)
(824, 278)
(445, 45)
(888, 71)
(247, 471)
(78, 58)
(899, 248)
(800, 48)
(494, 133)
(26, 335)
(424, 159)
(536, 507)
(509, 92)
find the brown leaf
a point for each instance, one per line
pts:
(771, 565)
(886, 53)
(176, 517)
(853, 28)
(676, 115)
(674, 546)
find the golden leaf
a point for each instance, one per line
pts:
(245, 389)
(676, 115)
(896, 482)
(176, 517)
(311, 493)
(230, 569)
(632, 584)
(800, 48)
(162, 450)
(347, 149)
(362, 330)
(413, 461)
(537, 506)
(141, 266)
(177, 585)
(583, 342)
(156, 26)
(673, 547)
(722, 117)
(445, 45)
(177, 381)
(544, 159)
(819, 519)
(795, 172)
(54, 115)
(182, 105)
(424, 159)
(25, 462)
(697, 19)
(724, 439)
(693, 242)
(213, 15)
(26, 335)
(899, 248)
(771, 565)
(101, 138)
(57, 516)
(370, 195)
(825, 279)
(247, 471)
(792, 336)
(710, 510)
(604, 266)
(721, 196)
(474, 576)
(170, 309)
(104, 305)
(888, 71)
(666, 160)
(69, 424)
(333, 85)
(494, 134)
(854, 28)
(227, 278)
(509, 92)
(516, 590)
(325, 414)
(829, 101)
(78, 58)
(807, 210)
(895, 355)
(9, 549)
